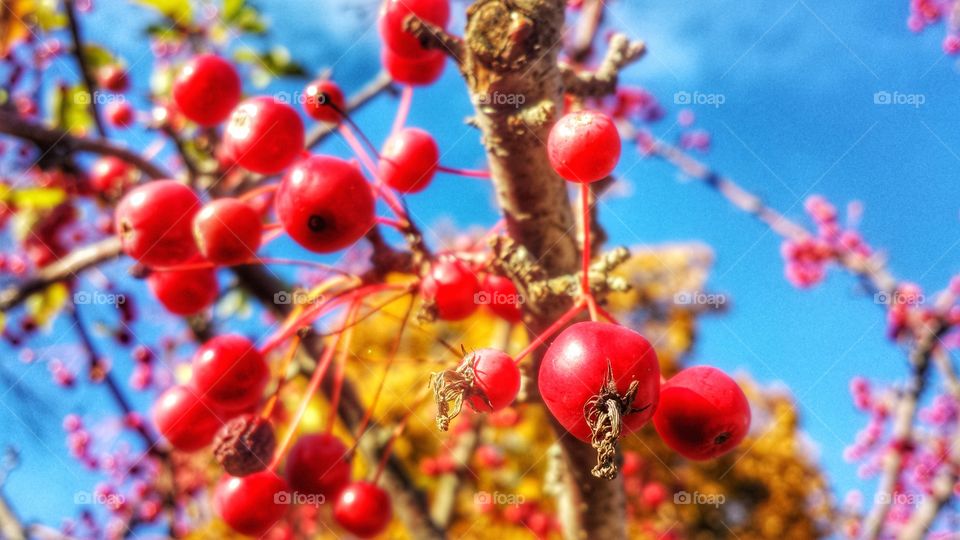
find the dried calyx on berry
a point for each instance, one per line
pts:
(245, 445)
(488, 379)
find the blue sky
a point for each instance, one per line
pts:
(798, 81)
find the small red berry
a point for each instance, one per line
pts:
(184, 292)
(325, 204)
(154, 223)
(185, 420)
(409, 160)
(112, 77)
(110, 175)
(206, 89)
(502, 296)
(653, 495)
(119, 114)
(584, 146)
(324, 101)
(575, 371)
(252, 504)
(228, 231)
(392, 16)
(229, 371)
(363, 509)
(496, 379)
(317, 465)
(452, 287)
(414, 71)
(702, 414)
(264, 135)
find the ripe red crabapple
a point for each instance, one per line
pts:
(324, 101)
(496, 379)
(112, 77)
(154, 223)
(503, 297)
(414, 71)
(392, 16)
(325, 204)
(584, 146)
(318, 465)
(576, 371)
(363, 509)
(206, 89)
(230, 372)
(264, 135)
(119, 114)
(228, 231)
(252, 504)
(185, 420)
(184, 292)
(110, 175)
(409, 160)
(702, 414)
(452, 286)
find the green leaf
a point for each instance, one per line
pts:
(97, 56)
(242, 16)
(48, 16)
(275, 63)
(71, 106)
(178, 10)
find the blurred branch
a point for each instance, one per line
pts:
(10, 526)
(47, 138)
(445, 498)
(603, 81)
(89, 82)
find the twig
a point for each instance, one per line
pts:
(603, 81)
(591, 13)
(88, 80)
(11, 528)
(432, 36)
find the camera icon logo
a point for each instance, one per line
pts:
(682, 98)
(681, 497)
(882, 98)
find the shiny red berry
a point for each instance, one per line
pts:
(230, 372)
(414, 71)
(110, 175)
(584, 146)
(409, 160)
(206, 89)
(112, 77)
(184, 292)
(325, 204)
(702, 414)
(575, 370)
(252, 504)
(392, 16)
(452, 286)
(501, 295)
(154, 223)
(363, 509)
(324, 101)
(496, 379)
(317, 465)
(228, 231)
(119, 114)
(264, 135)
(185, 420)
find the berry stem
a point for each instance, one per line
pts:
(585, 269)
(388, 196)
(470, 173)
(258, 191)
(396, 224)
(284, 369)
(552, 329)
(403, 110)
(342, 364)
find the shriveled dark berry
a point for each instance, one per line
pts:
(245, 445)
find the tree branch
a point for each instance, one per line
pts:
(432, 36)
(88, 80)
(603, 81)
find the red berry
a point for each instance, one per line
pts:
(502, 296)
(702, 414)
(112, 77)
(409, 160)
(575, 367)
(264, 135)
(496, 380)
(252, 504)
(229, 371)
(317, 465)
(119, 114)
(185, 420)
(392, 16)
(452, 287)
(206, 89)
(324, 101)
(325, 204)
(414, 71)
(228, 231)
(110, 175)
(184, 292)
(154, 223)
(363, 509)
(653, 495)
(584, 146)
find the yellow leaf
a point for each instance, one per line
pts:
(46, 304)
(12, 26)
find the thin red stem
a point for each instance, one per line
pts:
(551, 330)
(471, 173)
(585, 278)
(396, 224)
(256, 192)
(341, 366)
(403, 110)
